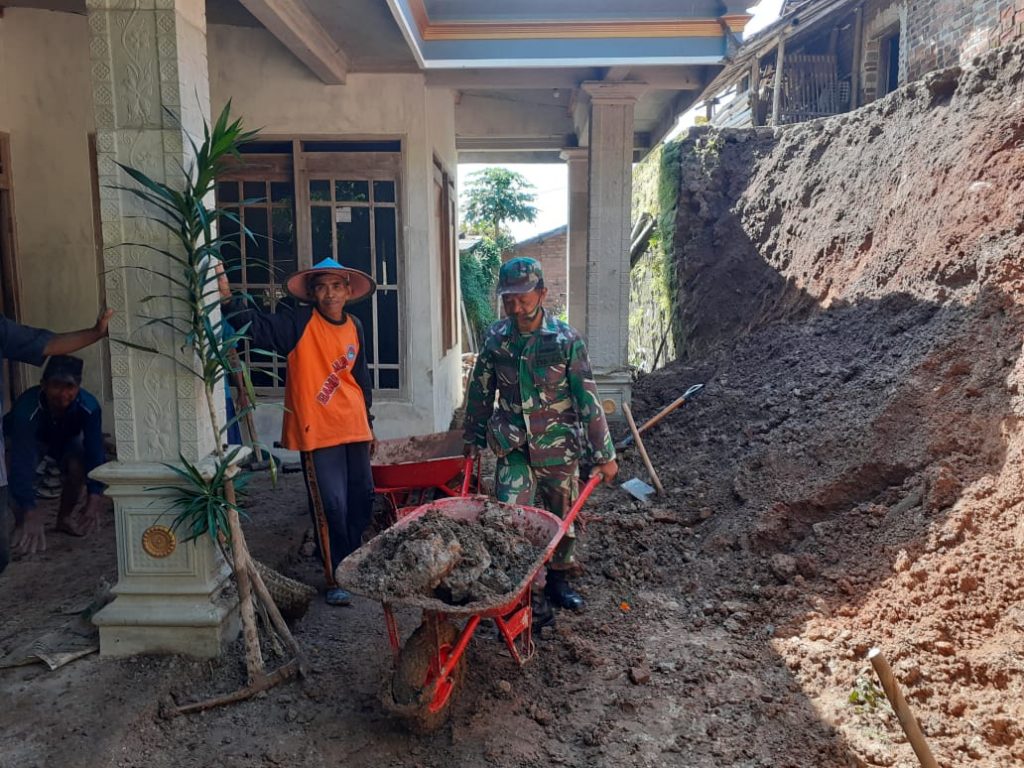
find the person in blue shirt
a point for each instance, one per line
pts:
(61, 420)
(25, 344)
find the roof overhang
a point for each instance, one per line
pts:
(491, 36)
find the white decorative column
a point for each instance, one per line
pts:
(576, 160)
(150, 86)
(611, 191)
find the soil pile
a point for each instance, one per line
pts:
(853, 295)
(918, 193)
(456, 561)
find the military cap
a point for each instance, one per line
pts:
(520, 275)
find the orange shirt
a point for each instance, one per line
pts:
(325, 405)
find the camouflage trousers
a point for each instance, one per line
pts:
(517, 482)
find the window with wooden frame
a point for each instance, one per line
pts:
(261, 193)
(312, 200)
(445, 218)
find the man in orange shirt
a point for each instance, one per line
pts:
(327, 397)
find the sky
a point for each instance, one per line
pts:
(550, 180)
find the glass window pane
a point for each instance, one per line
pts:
(227, 192)
(387, 331)
(320, 190)
(255, 190)
(257, 268)
(356, 191)
(388, 379)
(285, 260)
(354, 237)
(321, 226)
(384, 191)
(281, 192)
(386, 236)
(229, 251)
(364, 311)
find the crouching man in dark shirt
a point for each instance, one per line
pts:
(61, 420)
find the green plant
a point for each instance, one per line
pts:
(206, 502)
(478, 272)
(866, 693)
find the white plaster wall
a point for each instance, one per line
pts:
(272, 90)
(46, 107)
(447, 376)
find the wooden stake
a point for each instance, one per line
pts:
(240, 556)
(263, 683)
(643, 451)
(899, 704)
(275, 614)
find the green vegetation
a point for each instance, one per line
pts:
(492, 198)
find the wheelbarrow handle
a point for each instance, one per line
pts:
(588, 489)
(467, 475)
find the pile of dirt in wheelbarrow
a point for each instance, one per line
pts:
(456, 561)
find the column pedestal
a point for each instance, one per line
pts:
(172, 596)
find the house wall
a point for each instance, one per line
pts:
(935, 34)
(552, 253)
(943, 33)
(446, 377)
(270, 89)
(46, 108)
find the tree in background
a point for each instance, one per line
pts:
(495, 196)
(492, 198)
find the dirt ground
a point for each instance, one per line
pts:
(849, 478)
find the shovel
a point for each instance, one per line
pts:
(688, 395)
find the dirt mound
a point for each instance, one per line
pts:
(457, 561)
(852, 295)
(917, 193)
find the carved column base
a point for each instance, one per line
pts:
(614, 388)
(171, 596)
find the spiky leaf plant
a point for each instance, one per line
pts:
(206, 502)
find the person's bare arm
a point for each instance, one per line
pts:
(66, 343)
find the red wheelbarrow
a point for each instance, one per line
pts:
(409, 471)
(430, 666)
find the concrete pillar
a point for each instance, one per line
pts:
(150, 86)
(611, 191)
(577, 160)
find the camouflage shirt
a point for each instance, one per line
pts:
(547, 400)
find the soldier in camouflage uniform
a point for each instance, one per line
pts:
(548, 416)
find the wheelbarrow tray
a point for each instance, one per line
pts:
(539, 526)
(422, 461)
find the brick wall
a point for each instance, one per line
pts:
(550, 249)
(944, 33)
(934, 34)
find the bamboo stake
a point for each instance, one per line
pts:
(643, 451)
(903, 713)
(274, 613)
(253, 652)
(265, 682)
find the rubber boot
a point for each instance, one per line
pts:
(543, 613)
(561, 594)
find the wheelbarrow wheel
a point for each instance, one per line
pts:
(421, 701)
